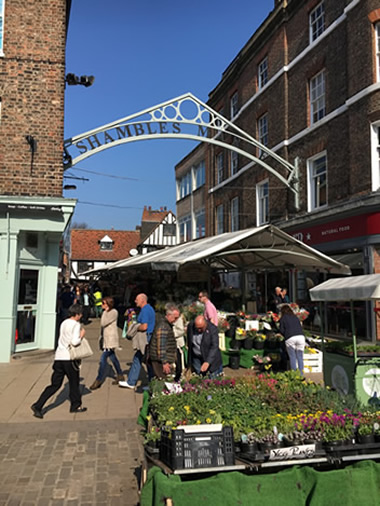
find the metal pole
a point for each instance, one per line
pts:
(353, 330)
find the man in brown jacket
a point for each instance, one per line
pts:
(163, 346)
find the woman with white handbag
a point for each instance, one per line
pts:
(70, 334)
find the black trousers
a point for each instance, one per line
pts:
(62, 368)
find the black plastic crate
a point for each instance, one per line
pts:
(195, 450)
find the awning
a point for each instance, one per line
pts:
(352, 288)
(266, 248)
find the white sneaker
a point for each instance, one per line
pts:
(125, 384)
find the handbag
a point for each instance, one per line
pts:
(83, 350)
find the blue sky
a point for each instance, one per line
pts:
(141, 54)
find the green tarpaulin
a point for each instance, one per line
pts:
(357, 484)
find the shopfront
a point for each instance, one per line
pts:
(352, 240)
(30, 233)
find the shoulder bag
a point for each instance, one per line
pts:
(83, 350)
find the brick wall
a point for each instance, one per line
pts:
(32, 73)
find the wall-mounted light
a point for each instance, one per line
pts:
(73, 80)
(32, 143)
(69, 187)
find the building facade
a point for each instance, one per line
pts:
(307, 86)
(33, 212)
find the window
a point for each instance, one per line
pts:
(200, 224)
(106, 244)
(219, 219)
(262, 77)
(375, 156)
(377, 27)
(2, 2)
(169, 229)
(185, 229)
(199, 174)
(235, 214)
(219, 168)
(262, 203)
(262, 127)
(317, 98)
(317, 187)
(234, 104)
(84, 266)
(234, 162)
(185, 186)
(317, 22)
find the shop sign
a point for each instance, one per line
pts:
(36, 208)
(347, 228)
(293, 452)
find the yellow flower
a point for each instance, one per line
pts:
(198, 422)
(169, 422)
(187, 408)
(208, 420)
(212, 412)
(171, 408)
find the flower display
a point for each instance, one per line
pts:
(223, 325)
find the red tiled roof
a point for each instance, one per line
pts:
(85, 244)
(152, 215)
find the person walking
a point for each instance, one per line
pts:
(163, 346)
(87, 302)
(70, 334)
(98, 297)
(291, 329)
(146, 319)
(210, 313)
(110, 334)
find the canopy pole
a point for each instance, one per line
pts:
(353, 330)
(322, 316)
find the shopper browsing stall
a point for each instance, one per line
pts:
(204, 353)
(291, 329)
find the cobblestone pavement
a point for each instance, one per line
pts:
(92, 458)
(70, 463)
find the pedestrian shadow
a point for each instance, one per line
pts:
(63, 396)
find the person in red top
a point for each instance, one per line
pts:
(210, 310)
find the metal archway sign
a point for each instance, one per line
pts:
(184, 117)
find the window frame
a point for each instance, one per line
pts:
(199, 170)
(262, 137)
(377, 35)
(317, 101)
(234, 104)
(199, 214)
(234, 214)
(262, 73)
(219, 221)
(234, 162)
(312, 203)
(317, 25)
(185, 224)
(2, 8)
(262, 203)
(375, 156)
(219, 168)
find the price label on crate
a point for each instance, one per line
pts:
(293, 452)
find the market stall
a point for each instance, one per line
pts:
(351, 369)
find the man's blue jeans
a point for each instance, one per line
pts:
(103, 363)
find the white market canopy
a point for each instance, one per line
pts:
(266, 248)
(343, 289)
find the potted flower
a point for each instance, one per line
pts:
(261, 362)
(250, 336)
(365, 429)
(258, 342)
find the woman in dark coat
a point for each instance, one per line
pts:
(291, 329)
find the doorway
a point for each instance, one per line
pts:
(27, 309)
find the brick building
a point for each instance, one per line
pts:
(307, 86)
(33, 212)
